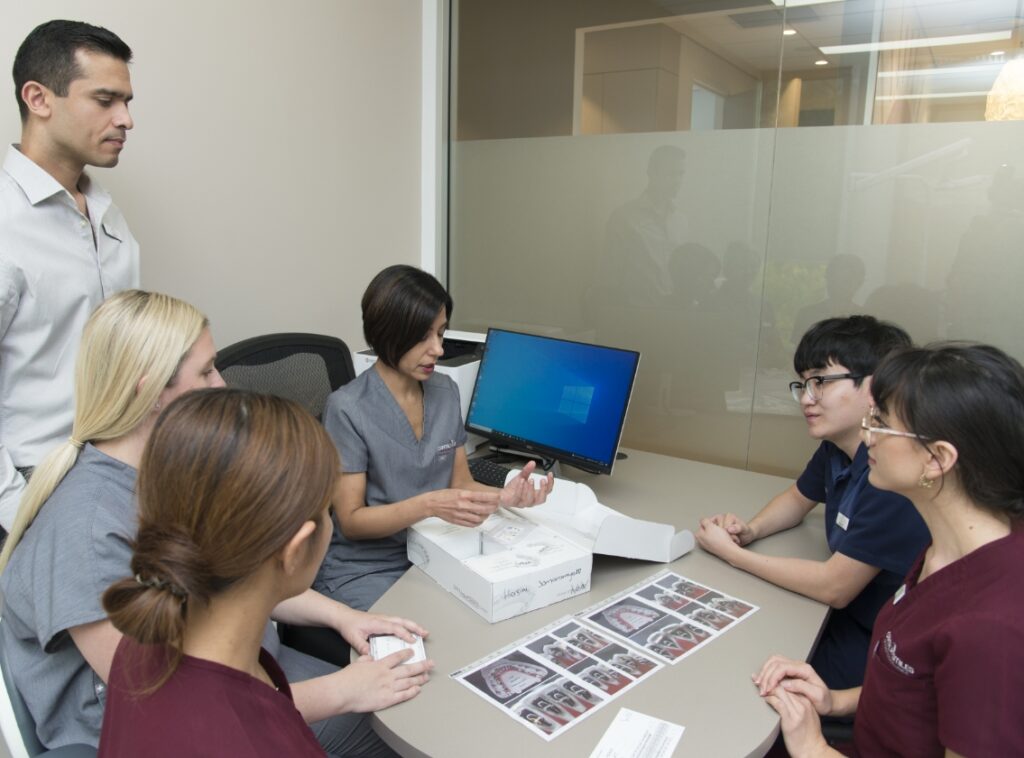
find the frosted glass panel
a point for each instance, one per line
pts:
(647, 242)
(702, 187)
(920, 224)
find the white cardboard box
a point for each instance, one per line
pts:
(523, 559)
(573, 511)
(506, 566)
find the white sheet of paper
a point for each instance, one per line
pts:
(634, 735)
(386, 644)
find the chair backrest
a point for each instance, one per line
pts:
(16, 723)
(305, 368)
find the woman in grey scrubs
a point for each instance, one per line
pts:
(399, 430)
(76, 524)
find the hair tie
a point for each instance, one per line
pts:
(75, 443)
(160, 585)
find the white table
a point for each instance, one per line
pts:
(709, 692)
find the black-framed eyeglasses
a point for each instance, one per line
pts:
(813, 386)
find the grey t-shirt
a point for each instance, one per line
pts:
(374, 437)
(78, 545)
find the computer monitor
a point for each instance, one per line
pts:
(561, 400)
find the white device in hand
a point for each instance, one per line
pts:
(383, 645)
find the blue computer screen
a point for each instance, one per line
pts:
(567, 398)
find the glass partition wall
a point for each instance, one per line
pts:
(701, 180)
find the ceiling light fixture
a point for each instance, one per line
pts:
(932, 95)
(945, 71)
(907, 44)
(798, 3)
(822, 62)
(791, 32)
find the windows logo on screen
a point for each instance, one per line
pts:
(576, 402)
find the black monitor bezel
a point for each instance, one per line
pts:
(547, 451)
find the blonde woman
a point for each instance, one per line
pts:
(77, 519)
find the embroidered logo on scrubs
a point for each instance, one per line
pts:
(444, 450)
(890, 653)
(842, 521)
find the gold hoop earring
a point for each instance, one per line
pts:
(924, 482)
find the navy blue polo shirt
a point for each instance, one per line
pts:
(875, 527)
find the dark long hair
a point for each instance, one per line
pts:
(971, 396)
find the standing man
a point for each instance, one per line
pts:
(64, 246)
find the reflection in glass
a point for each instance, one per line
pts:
(703, 188)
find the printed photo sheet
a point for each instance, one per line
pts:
(558, 676)
(668, 617)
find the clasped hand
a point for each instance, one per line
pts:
(794, 676)
(799, 696)
(723, 532)
(737, 529)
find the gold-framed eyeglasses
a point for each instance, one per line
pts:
(814, 386)
(872, 424)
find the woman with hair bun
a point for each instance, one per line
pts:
(73, 534)
(234, 490)
(946, 662)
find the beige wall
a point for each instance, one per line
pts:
(630, 80)
(519, 83)
(275, 162)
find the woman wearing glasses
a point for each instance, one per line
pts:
(946, 662)
(873, 536)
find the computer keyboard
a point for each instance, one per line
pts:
(486, 471)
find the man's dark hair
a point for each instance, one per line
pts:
(47, 55)
(971, 396)
(857, 342)
(399, 306)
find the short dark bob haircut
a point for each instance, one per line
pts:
(47, 55)
(399, 306)
(971, 396)
(856, 342)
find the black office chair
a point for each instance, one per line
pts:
(305, 368)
